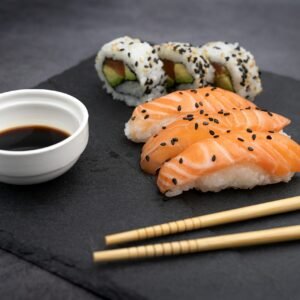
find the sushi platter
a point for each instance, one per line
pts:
(185, 96)
(131, 172)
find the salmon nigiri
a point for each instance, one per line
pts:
(148, 118)
(237, 160)
(192, 128)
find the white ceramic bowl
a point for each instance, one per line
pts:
(48, 108)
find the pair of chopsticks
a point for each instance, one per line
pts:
(252, 238)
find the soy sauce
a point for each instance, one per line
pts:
(30, 137)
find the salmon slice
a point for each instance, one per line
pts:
(148, 118)
(194, 127)
(238, 159)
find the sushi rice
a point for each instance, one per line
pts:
(143, 61)
(242, 176)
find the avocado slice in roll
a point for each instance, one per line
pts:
(115, 71)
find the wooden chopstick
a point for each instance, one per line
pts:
(229, 216)
(252, 238)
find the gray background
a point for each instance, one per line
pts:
(41, 38)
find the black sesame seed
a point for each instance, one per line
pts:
(180, 160)
(213, 158)
(227, 58)
(270, 114)
(153, 51)
(213, 88)
(268, 137)
(163, 144)
(155, 135)
(146, 117)
(249, 107)
(206, 115)
(228, 131)
(211, 132)
(174, 140)
(147, 158)
(164, 127)
(226, 114)
(216, 136)
(240, 139)
(196, 105)
(249, 130)
(189, 116)
(206, 95)
(136, 63)
(271, 131)
(128, 54)
(196, 126)
(193, 91)
(181, 93)
(200, 103)
(174, 180)
(216, 121)
(211, 119)
(143, 111)
(179, 107)
(205, 123)
(250, 149)
(122, 49)
(147, 91)
(220, 112)
(253, 137)
(239, 61)
(133, 118)
(201, 112)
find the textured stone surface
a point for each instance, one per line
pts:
(58, 224)
(22, 280)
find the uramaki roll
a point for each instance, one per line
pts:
(235, 68)
(131, 70)
(185, 66)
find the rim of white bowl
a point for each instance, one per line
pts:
(67, 97)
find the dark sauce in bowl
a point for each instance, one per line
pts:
(30, 137)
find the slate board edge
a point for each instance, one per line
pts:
(6, 239)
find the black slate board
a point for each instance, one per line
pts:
(58, 224)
